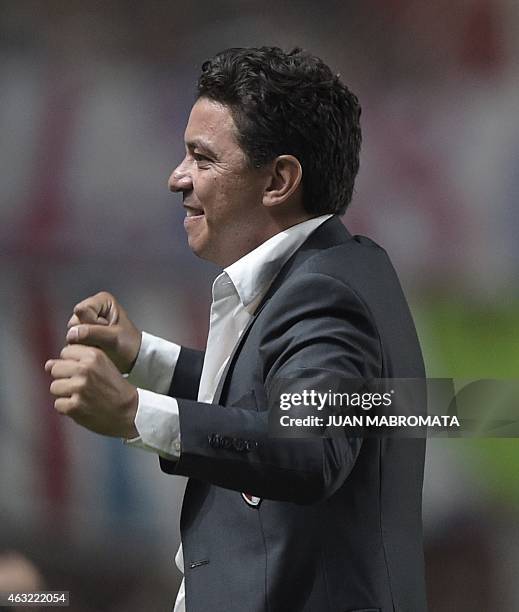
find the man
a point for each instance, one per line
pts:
(300, 525)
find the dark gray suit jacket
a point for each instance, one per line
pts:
(339, 527)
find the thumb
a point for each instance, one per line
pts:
(76, 320)
(100, 308)
(102, 336)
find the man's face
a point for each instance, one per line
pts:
(222, 195)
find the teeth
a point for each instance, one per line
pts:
(194, 213)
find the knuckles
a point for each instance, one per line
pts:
(74, 320)
(93, 301)
(89, 354)
(91, 363)
(83, 370)
(82, 383)
(69, 406)
(74, 404)
(95, 357)
(105, 296)
(60, 407)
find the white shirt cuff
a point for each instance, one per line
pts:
(155, 364)
(158, 425)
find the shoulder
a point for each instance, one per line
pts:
(351, 268)
(349, 259)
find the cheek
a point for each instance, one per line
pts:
(224, 197)
(236, 192)
(206, 188)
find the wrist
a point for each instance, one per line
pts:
(133, 352)
(131, 412)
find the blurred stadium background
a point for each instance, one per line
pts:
(94, 97)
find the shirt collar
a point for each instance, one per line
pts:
(252, 275)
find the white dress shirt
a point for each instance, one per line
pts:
(237, 292)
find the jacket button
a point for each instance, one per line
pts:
(213, 440)
(239, 444)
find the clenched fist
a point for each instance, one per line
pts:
(91, 390)
(102, 322)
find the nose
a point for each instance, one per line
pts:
(180, 179)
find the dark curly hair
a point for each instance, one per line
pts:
(291, 103)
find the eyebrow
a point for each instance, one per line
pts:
(200, 144)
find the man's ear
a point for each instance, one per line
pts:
(285, 177)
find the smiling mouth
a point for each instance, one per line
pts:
(194, 212)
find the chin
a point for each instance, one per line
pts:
(206, 249)
(199, 248)
(195, 248)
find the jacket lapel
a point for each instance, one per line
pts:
(331, 233)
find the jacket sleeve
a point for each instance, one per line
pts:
(315, 327)
(188, 370)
